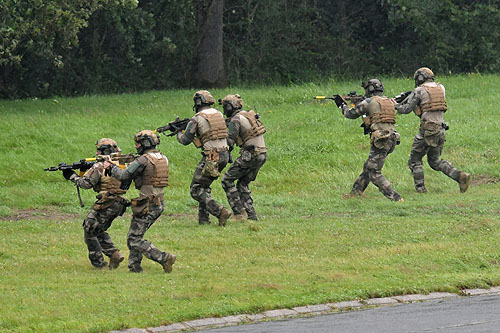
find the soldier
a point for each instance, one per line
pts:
(245, 130)
(379, 117)
(108, 206)
(207, 130)
(150, 174)
(429, 104)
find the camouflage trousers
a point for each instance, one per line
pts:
(372, 172)
(200, 189)
(94, 233)
(136, 243)
(244, 170)
(419, 149)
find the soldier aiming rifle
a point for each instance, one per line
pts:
(110, 202)
(87, 163)
(379, 118)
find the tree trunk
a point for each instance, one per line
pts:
(208, 68)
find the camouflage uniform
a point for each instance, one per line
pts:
(150, 174)
(383, 141)
(110, 204)
(431, 136)
(215, 157)
(246, 131)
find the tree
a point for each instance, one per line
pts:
(208, 68)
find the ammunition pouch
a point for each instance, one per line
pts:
(140, 205)
(381, 139)
(418, 111)
(247, 153)
(106, 200)
(431, 132)
(197, 143)
(211, 167)
(366, 125)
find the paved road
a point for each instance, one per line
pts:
(456, 315)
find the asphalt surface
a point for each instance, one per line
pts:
(458, 315)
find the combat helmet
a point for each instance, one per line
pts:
(107, 146)
(203, 98)
(231, 103)
(372, 86)
(423, 74)
(146, 140)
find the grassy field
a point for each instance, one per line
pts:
(310, 245)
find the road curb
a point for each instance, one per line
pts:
(308, 310)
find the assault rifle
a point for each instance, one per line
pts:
(174, 126)
(86, 163)
(342, 99)
(82, 165)
(401, 97)
(351, 97)
(122, 159)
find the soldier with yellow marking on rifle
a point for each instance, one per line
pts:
(109, 205)
(379, 118)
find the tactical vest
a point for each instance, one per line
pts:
(254, 131)
(156, 172)
(109, 184)
(437, 101)
(387, 113)
(217, 126)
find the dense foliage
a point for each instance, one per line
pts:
(64, 47)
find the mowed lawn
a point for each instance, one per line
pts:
(310, 245)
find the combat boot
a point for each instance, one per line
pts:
(463, 181)
(351, 194)
(168, 262)
(397, 198)
(225, 214)
(101, 266)
(115, 259)
(252, 215)
(241, 216)
(135, 269)
(421, 189)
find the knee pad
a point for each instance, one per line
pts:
(196, 191)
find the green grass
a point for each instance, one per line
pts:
(310, 246)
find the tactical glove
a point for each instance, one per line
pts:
(339, 100)
(67, 173)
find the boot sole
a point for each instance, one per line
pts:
(223, 221)
(464, 186)
(167, 267)
(113, 264)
